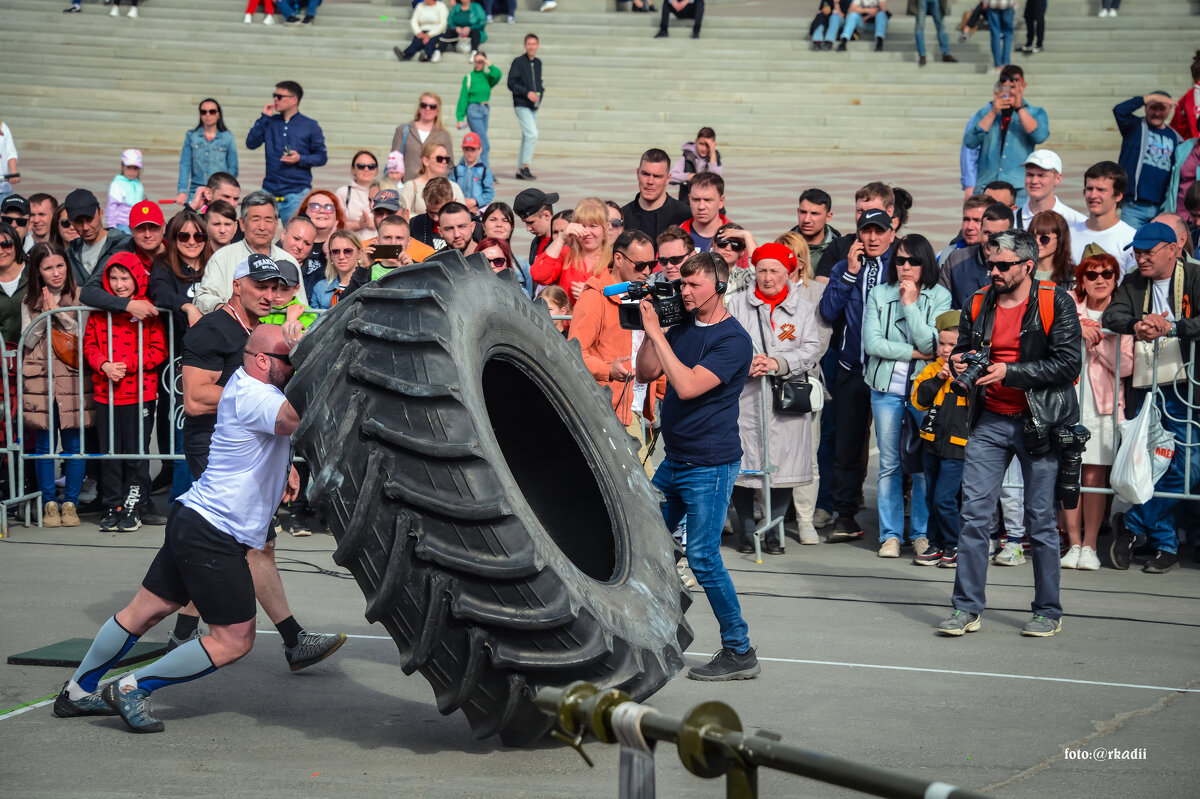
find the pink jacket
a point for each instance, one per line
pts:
(1100, 364)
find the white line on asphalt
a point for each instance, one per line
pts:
(964, 673)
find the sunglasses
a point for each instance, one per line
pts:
(429, 106)
(671, 260)
(7, 245)
(1044, 239)
(366, 167)
(907, 260)
(498, 263)
(639, 266)
(212, 112)
(734, 244)
(346, 253)
(616, 223)
(1003, 266)
(328, 208)
(183, 237)
(17, 221)
(1092, 274)
(442, 159)
(278, 97)
(64, 223)
(287, 359)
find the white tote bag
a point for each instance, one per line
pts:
(1143, 456)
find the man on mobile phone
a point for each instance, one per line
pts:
(1005, 131)
(295, 144)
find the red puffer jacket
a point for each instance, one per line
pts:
(124, 335)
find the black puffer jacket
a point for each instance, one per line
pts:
(1048, 366)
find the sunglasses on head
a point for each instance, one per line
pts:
(17, 221)
(671, 260)
(208, 112)
(1003, 266)
(1044, 238)
(1106, 274)
(343, 253)
(429, 106)
(366, 167)
(907, 260)
(737, 245)
(442, 159)
(326, 207)
(183, 237)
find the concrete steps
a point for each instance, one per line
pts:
(95, 84)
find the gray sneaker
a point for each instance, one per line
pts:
(1041, 626)
(133, 707)
(91, 705)
(312, 648)
(728, 665)
(959, 622)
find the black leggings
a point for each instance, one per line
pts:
(743, 511)
(1035, 21)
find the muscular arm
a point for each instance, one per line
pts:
(286, 422)
(201, 394)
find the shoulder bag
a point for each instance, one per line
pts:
(792, 396)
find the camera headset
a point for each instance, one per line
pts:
(721, 285)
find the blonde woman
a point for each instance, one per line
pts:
(345, 258)
(435, 163)
(426, 127)
(578, 251)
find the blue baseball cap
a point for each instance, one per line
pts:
(1150, 235)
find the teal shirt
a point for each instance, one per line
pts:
(476, 88)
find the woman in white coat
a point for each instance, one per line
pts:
(783, 326)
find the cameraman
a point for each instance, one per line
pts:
(706, 360)
(1018, 400)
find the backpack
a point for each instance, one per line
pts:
(1045, 300)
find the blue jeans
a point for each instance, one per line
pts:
(287, 207)
(854, 19)
(1156, 519)
(943, 477)
(1000, 24)
(477, 121)
(527, 118)
(934, 9)
(1137, 213)
(829, 31)
(825, 448)
(887, 410)
(291, 8)
(701, 494)
(993, 442)
(417, 45)
(72, 469)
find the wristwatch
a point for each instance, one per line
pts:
(1174, 331)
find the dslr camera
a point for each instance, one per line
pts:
(975, 364)
(668, 302)
(1070, 442)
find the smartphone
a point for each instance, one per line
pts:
(387, 252)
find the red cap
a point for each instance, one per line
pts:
(472, 140)
(145, 213)
(776, 252)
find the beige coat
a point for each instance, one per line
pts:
(35, 369)
(795, 342)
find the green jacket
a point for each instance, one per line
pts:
(278, 316)
(475, 90)
(474, 18)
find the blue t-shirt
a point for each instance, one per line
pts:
(704, 431)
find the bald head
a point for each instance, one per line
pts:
(266, 356)
(1178, 225)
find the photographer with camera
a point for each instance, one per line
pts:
(1019, 354)
(706, 360)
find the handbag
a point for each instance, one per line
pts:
(793, 397)
(1170, 366)
(65, 347)
(912, 457)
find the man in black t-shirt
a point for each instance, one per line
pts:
(652, 211)
(706, 360)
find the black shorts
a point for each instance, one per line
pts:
(200, 563)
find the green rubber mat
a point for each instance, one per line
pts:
(71, 652)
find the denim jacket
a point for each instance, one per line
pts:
(475, 181)
(199, 158)
(1005, 162)
(892, 330)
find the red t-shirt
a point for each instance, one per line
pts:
(1006, 348)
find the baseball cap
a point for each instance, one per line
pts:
(131, 157)
(947, 320)
(81, 202)
(395, 162)
(290, 272)
(875, 218)
(472, 140)
(145, 213)
(1046, 159)
(386, 199)
(15, 202)
(530, 201)
(1152, 234)
(259, 267)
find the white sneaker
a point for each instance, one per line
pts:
(1071, 559)
(1112, 12)
(269, 19)
(436, 57)
(248, 19)
(809, 534)
(548, 5)
(1010, 555)
(1088, 561)
(920, 544)
(116, 11)
(132, 12)
(511, 19)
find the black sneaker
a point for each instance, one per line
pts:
(292, 21)
(817, 45)
(72, 10)
(109, 523)
(308, 19)
(772, 548)
(845, 528)
(1162, 562)
(401, 54)
(827, 46)
(727, 665)
(527, 175)
(930, 557)
(949, 558)
(746, 546)
(129, 521)
(312, 648)
(150, 515)
(841, 48)
(660, 35)
(879, 44)
(1121, 550)
(91, 705)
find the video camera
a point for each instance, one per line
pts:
(668, 302)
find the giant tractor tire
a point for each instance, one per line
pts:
(485, 497)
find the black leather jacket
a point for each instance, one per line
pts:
(1049, 364)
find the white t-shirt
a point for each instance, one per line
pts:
(1113, 241)
(1026, 214)
(8, 147)
(1160, 300)
(10, 287)
(247, 462)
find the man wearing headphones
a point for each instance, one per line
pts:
(706, 360)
